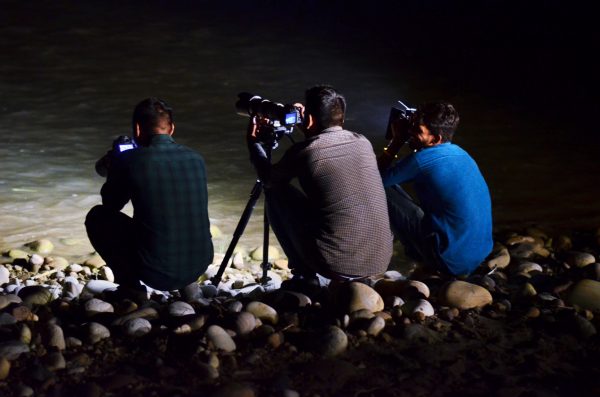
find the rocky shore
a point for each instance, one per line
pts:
(525, 324)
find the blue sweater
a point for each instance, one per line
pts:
(455, 200)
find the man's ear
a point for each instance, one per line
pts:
(172, 129)
(138, 132)
(311, 122)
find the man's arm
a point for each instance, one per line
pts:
(399, 136)
(116, 191)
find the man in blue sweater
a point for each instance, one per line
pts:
(450, 228)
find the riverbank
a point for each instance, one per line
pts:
(529, 327)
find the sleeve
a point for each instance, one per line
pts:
(403, 171)
(116, 190)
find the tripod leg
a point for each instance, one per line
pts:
(266, 265)
(239, 230)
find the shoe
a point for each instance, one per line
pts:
(307, 285)
(137, 295)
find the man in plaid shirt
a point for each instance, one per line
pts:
(167, 244)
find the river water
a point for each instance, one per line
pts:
(71, 73)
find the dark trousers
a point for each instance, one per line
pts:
(112, 236)
(406, 221)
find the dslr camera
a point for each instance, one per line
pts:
(399, 111)
(282, 118)
(121, 144)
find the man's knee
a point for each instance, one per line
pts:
(94, 215)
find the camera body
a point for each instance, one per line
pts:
(282, 118)
(121, 144)
(399, 111)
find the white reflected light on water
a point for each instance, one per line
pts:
(70, 82)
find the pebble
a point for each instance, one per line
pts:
(95, 262)
(57, 262)
(354, 296)
(107, 274)
(586, 295)
(245, 322)
(75, 268)
(42, 246)
(55, 337)
(137, 327)
(235, 306)
(6, 300)
(418, 306)
(238, 260)
(376, 325)
(209, 290)
(463, 295)
(263, 311)
(332, 342)
(257, 253)
(580, 259)
(528, 267)
(4, 275)
(11, 350)
(96, 287)
(4, 368)
(71, 341)
(35, 295)
(96, 332)
(584, 327)
(7, 319)
(24, 391)
(220, 339)
(55, 361)
(180, 309)
(146, 312)
(18, 254)
(95, 306)
(499, 259)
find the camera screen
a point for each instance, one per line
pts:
(291, 118)
(125, 147)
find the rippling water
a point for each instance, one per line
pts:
(71, 73)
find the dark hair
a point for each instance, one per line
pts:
(326, 105)
(151, 114)
(440, 118)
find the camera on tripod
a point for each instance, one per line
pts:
(399, 112)
(281, 118)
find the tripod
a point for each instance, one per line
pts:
(239, 230)
(273, 135)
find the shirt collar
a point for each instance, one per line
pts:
(161, 138)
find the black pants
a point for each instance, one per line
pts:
(112, 236)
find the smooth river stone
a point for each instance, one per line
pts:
(498, 259)
(580, 259)
(106, 273)
(35, 295)
(586, 295)
(18, 254)
(97, 332)
(94, 306)
(4, 368)
(180, 308)
(527, 267)
(418, 306)
(356, 296)
(11, 350)
(333, 342)
(463, 295)
(376, 325)
(58, 262)
(95, 262)
(245, 323)
(137, 327)
(56, 337)
(220, 338)
(4, 275)
(6, 300)
(263, 312)
(257, 253)
(146, 312)
(42, 246)
(96, 287)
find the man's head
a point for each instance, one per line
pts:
(152, 116)
(433, 123)
(324, 108)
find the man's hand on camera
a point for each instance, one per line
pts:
(400, 132)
